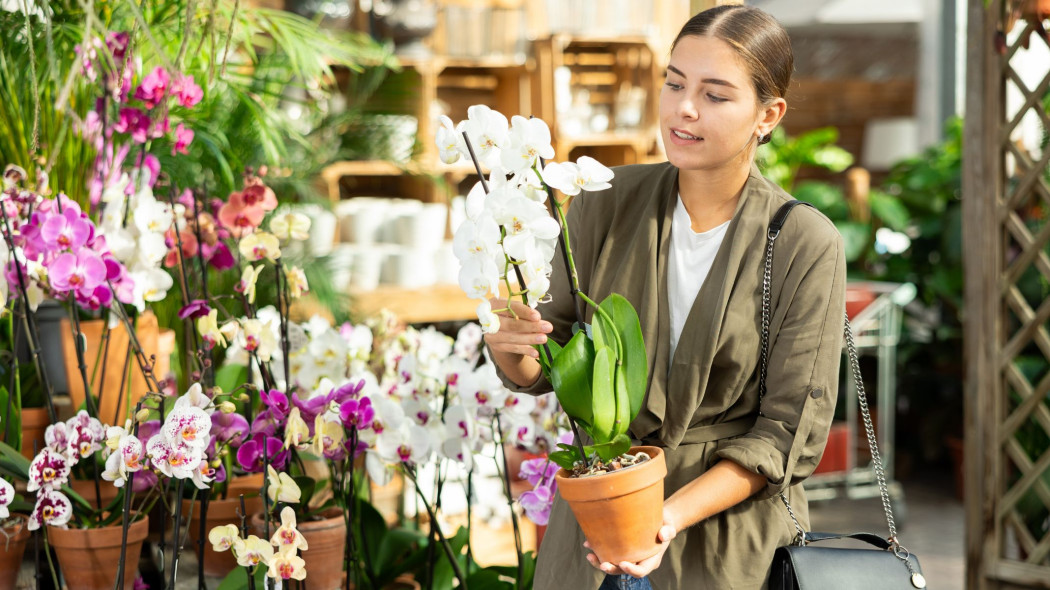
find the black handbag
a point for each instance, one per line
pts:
(802, 566)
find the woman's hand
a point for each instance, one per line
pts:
(518, 336)
(646, 566)
(513, 346)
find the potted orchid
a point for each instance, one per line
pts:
(600, 373)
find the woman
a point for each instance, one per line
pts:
(685, 242)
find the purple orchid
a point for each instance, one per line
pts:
(218, 256)
(134, 122)
(357, 413)
(310, 408)
(346, 391)
(537, 470)
(277, 402)
(229, 429)
(153, 87)
(250, 455)
(537, 504)
(197, 308)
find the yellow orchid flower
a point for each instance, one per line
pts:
(282, 487)
(252, 551)
(223, 537)
(287, 538)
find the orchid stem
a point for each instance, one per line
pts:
(441, 536)
(510, 502)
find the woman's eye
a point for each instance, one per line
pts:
(716, 98)
(673, 86)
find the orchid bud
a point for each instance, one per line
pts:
(244, 397)
(216, 391)
(215, 464)
(227, 407)
(142, 415)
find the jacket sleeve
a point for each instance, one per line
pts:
(560, 311)
(788, 437)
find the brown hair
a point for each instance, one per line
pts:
(758, 39)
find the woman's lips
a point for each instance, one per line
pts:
(677, 139)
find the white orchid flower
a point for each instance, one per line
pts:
(258, 336)
(587, 174)
(489, 321)
(286, 565)
(295, 226)
(296, 430)
(487, 130)
(449, 138)
(188, 426)
(411, 443)
(49, 470)
(130, 456)
(479, 277)
(52, 508)
(151, 215)
(287, 536)
(7, 494)
(525, 221)
(476, 238)
(281, 487)
(528, 141)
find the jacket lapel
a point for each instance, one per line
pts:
(690, 369)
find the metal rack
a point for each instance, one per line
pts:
(877, 330)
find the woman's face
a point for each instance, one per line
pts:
(709, 113)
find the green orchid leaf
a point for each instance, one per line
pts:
(623, 402)
(608, 451)
(545, 363)
(571, 377)
(603, 394)
(565, 459)
(634, 360)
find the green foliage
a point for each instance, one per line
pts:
(600, 379)
(783, 157)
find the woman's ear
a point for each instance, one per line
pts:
(769, 116)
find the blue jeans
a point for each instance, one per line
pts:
(625, 582)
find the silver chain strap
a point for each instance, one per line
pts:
(899, 550)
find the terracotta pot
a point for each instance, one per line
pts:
(149, 336)
(620, 512)
(221, 512)
(835, 454)
(34, 422)
(857, 298)
(91, 556)
(12, 546)
(327, 547)
(86, 489)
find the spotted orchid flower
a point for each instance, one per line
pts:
(130, 456)
(86, 434)
(7, 494)
(188, 426)
(52, 508)
(49, 470)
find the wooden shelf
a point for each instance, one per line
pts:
(436, 303)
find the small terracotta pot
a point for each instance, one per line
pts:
(90, 557)
(620, 512)
(107, 492)
(857, 298)
(34, 422)
(221, 512)
(327, 545)
(12, 547)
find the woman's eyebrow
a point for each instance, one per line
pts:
(717, 81)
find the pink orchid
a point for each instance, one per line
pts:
(133, 122)
(68, 231)
(258, 194)
(81, 272)
(537, 504)
(186, 91)
(183, 137)
(153, 87)
(239, 217)
(118, 44)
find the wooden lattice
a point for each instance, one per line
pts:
(1007, 224)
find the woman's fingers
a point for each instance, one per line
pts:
(518, 335)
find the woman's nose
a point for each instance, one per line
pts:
(687, 109)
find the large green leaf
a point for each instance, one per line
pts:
(889, 210)
(634, 361)
(855, 238)
(603, 395)
(571, 377)
(615, 447)
(545, 363)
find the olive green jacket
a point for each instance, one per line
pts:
(620, 240)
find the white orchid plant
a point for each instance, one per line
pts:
(600, 374)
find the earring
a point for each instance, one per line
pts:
(765, 139)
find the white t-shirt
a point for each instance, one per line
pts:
(691, 255)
